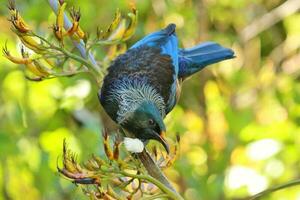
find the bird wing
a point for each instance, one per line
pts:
(192, 60)
(164, 39)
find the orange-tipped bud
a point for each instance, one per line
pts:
(14, 59)
(18, 22)
(57, 32)
(31, 43)
(16, 18)
(75, 15)
(116, 150)
(73, 29)
(69, 162)
(60, 16)
(58, 27)
(25, 60)
(107, 148)
(31, 66)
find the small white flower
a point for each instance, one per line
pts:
(133, 145)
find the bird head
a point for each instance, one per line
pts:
(146, 123)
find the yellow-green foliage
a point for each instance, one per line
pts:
(239, 120)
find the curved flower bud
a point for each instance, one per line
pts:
(115, 31)
(57, 32)
(107, 148)
(34, 66)
(16, 19)
(76, 15)
(31, 43)
(60, 16)
(119, 30)
(132, 24)
(25, 60)
(58, 27)
(19, 23)
(14, 59)
(118, 33)
(102, 35)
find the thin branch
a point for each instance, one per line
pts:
(266, 21)
(274, 189)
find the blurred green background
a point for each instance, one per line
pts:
(239, 120)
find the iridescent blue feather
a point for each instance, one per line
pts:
(185, 61)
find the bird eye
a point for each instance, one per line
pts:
(151, 122)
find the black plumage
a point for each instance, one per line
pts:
(142, 85)
(141, 63)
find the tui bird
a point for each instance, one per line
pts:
(143, 85)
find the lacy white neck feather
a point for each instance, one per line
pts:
(130, 94)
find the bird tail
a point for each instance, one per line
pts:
(194, 59)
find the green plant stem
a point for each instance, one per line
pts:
(79, 59)
(98, 74)
(150, 179)
(66, 52)
(275, 188)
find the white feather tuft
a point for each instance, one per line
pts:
(133, 145)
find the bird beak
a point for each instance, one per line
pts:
(162, 140)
